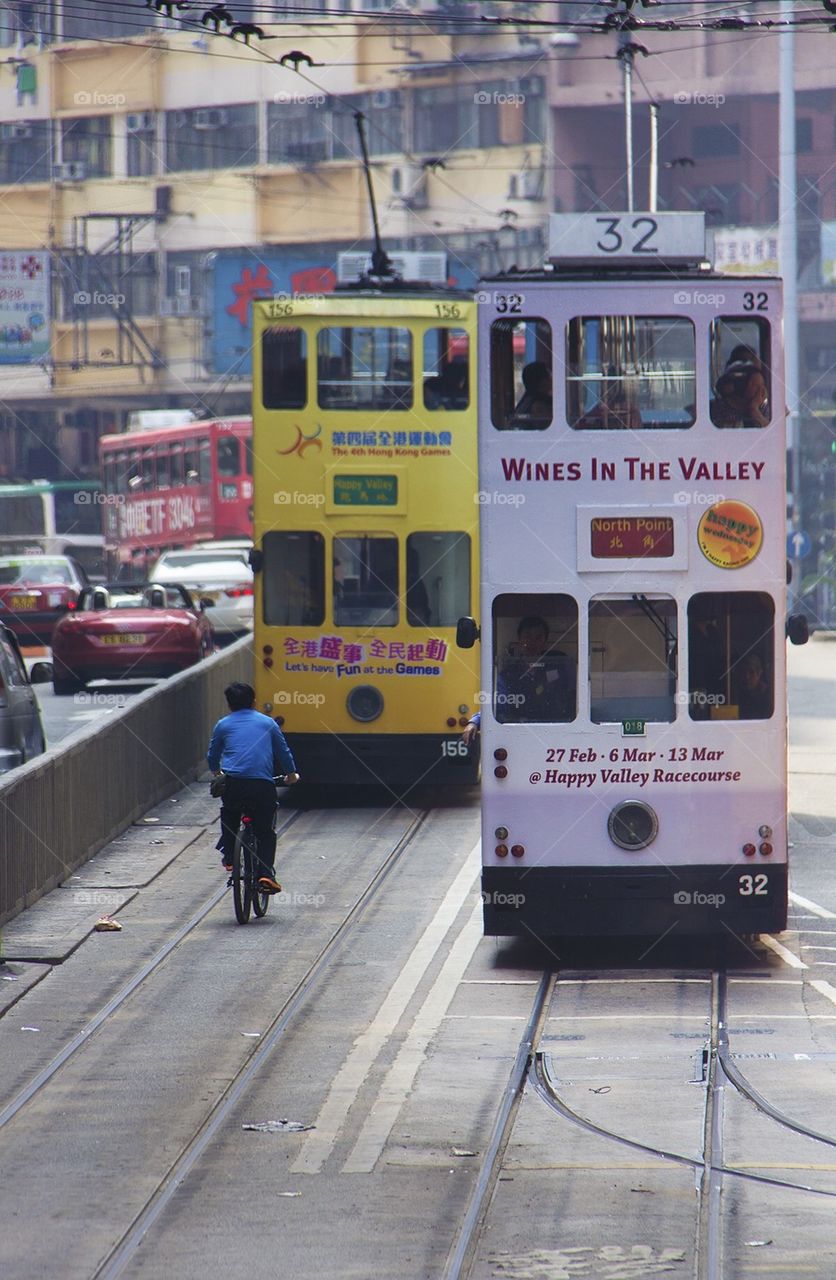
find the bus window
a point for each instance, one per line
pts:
(437, 579)
(731, 665)
(294, 579)
(632, 659)
(147, 471)
(176, 466)
(535, 659)
(364, 367)
(76, 514)
(366, 581)
(630, 372)
(248, 450)
(163, 467)
(190, 463)
(123, 472)
(229, 456)
(284, 364)
(204, 461)
(740, 372)
(521, 375)
(446, 373)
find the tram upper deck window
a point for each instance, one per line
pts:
(632, 659)
(731, 658)
(284, 367)
(521, 374)
(437, 579)
(293, 579)
(446, 372)
(364, 367)
(740, 372)
(535, 659)
(366, 581)
(630, 373)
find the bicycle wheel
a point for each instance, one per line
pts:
(241, 873)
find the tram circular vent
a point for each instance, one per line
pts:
(364, 703)
(632, 825)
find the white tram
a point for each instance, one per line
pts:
(633, 537)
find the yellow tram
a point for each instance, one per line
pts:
(365, 528)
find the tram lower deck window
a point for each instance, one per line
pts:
(437, 579)
(630, 373)
(731, 656)
(535, 659)
(364, 367)
(632, 659)
(293, 578)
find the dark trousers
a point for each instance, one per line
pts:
(257, 798)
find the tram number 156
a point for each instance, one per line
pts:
(757, 885)
(453, 747)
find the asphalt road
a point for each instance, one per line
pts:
(67, 715)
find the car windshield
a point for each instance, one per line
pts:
(35, 572)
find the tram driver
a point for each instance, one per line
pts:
(536, 683)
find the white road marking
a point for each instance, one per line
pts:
(591, 982)
(499, 982)
(320, 1141)
(824, 989)
(788, 957)
(401, 1075)
(812, 906)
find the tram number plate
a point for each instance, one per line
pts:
(453, 747)
(753, 885)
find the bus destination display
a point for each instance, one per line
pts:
(631, 537)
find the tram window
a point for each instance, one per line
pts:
(535, 659)
(294, 579)
(284, 368)
(437, 579)
(364, 367)
(229, 456)
(740, 372)
(632, 659)
(521, 375)
(446, 372)
(366, 581)
(630, 373)
(731, 662)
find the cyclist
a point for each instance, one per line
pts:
(249, 749)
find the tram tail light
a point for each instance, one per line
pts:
(501, 833)
(749, 850)
(517, 850)
(501, 851)
(765, 848)
(500, 754)
(268, 662)
(500, 771)
(451, 722)
(463, 721)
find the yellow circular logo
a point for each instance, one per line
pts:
(730, 534)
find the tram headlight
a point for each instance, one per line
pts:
(632, 825)
(364, 703)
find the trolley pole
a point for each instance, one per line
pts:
(626, 52)
(788, 259)
(653, 195)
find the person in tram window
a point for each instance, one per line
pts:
(742, 398)
(536, 400)
(535, 683)
(754, 697)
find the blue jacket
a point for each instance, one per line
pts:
(247, 744)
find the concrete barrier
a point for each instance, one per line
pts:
(60, 809)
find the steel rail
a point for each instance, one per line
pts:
(709, 1239)
(124, 1250)
(81, 1037)
(460, 1258)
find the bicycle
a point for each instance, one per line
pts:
(246, 895)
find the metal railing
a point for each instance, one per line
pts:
(61, 808)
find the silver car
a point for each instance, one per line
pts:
(21, 731)
(220, 573)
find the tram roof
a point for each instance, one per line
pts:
(599, 273)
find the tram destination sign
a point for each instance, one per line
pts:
(635, 238)
(365, 491)
(631, 537)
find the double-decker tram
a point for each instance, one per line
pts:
(633, 589)
(364, 441)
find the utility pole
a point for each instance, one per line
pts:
(788, 262)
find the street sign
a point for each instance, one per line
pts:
(799, 545)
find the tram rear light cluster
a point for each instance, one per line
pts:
(749, 850)
(266, 652)
(517, 850)
(501, 851)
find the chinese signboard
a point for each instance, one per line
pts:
(625, 537)
(24, 306)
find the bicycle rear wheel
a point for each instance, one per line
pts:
(241, 875)
(261, 901)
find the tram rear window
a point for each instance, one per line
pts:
(284, 368)
(632, 659)
(366, 581)
(731, 656)
(364, 367)
(521, 375)
(446, 373)
(535, 659)
(740, 378)
(630, 373)
(437, 579)
(294, 579)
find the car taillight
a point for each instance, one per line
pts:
(237, 592)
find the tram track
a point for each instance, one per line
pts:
(710, 1168)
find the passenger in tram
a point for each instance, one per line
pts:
(449, 389)
(417, 599)
(742, 399)
(708, 667)
(536, 682)
(536, 400)
(754, 696)
(250, 750)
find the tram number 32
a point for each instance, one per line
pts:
(757, 885)
(639, 235)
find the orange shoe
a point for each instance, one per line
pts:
(268, 885)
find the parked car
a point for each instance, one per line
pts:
(216, 571)
(127, 631)
(21, 730)
(35, 591)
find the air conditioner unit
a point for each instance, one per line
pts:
(183, 281)
(139, 122)
(530, 185)
(15, 132)
(409, 184)
(382, 99)
(70, 171)
(209, 118)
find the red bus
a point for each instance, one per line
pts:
(168, 487)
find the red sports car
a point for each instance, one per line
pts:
(35, 591)
(128, 631)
